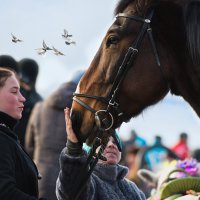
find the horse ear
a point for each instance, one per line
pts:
(148, 177)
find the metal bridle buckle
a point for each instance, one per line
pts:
(114, 104)
(148, 21)
(100, 122)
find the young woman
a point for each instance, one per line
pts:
(107, 181)
(18, 173)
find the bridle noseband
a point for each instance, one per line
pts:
(110, 100)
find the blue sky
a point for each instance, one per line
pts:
(34, 21)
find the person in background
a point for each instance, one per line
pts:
(18, 173)
(46, 134)
(135, 140)
(156, 155)
(29, 71)
(107, 180)
(158, 141)
(7, 61)
(196, 154)
(181, 147)
(132, 160)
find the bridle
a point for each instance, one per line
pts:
(113, 106)
(111, 100)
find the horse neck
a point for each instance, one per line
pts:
(184, 77)
(186, 83)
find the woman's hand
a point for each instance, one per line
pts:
(70, 132)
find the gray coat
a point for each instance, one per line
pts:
(46, 136)
(106, 181)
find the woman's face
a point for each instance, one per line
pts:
(112, 153)
(11, 100)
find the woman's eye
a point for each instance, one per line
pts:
(113, 39)
(14, 91)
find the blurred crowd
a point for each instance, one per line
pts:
(138, 154)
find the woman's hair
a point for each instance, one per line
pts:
(4, 75)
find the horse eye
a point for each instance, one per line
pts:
(112, 39)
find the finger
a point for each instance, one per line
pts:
(70, 132)
(68, 119)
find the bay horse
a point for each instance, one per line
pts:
(152, 47)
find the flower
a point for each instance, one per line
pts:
(189, 165)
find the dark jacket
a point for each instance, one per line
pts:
(18, 173)
(106, 181)
(46, 136)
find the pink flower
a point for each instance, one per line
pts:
(189, 165)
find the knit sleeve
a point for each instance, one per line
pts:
(72, 161)
(73, 149)
(139, 195)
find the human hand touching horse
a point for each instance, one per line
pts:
(70, 132)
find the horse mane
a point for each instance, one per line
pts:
(139, 5)
(192, 28)
(122, 4)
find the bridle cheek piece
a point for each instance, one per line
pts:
(130, 56)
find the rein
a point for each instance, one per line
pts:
(103, 123)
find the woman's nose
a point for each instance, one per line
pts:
(110, 144)
(22, 98)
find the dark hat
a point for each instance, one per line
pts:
(183, 135)
(9, 62)
(29, 70)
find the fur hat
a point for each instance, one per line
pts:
(29, 70)
(9, 62)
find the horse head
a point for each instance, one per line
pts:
(140, 59)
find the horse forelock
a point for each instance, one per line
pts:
(140, 6)
(123, 4)
(192, 28)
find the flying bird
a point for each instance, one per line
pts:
(45, 46)
(67, 38)
(15, 39)
(57, 52)
(70, 42)
(66, 35)
(42, 51)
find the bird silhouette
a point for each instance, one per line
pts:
(70, 42)
(57, 52)
(15, 39)
(42, 51)
(45, 46)
(66, 35)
